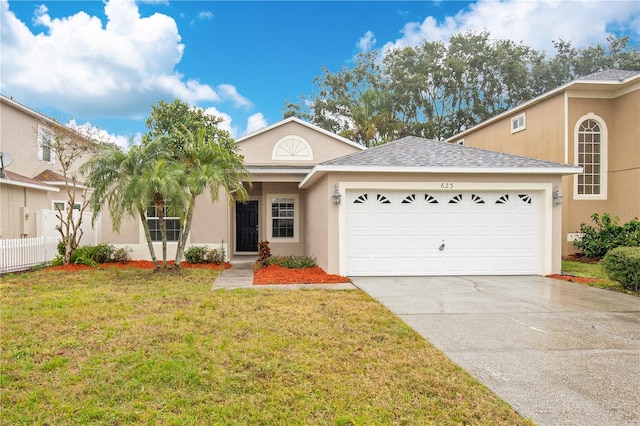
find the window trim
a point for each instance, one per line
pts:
(515, 120)
(603, 157)
(41, 144)
(76, 206)
(281, 149)
(166, 218)
(296, 218)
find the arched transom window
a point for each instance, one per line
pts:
(591, 156)
(292, 148)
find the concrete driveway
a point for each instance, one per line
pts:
(560, 353)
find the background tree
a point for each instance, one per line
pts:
(437, 89)
(69, 148)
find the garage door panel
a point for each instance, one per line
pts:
(399, 233)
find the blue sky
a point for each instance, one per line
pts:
(103, 64)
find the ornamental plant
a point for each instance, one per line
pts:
(623, 265)
(597, 240)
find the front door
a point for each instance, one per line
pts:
(247, 226)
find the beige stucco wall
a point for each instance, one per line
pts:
(328, 245)
(258, 150)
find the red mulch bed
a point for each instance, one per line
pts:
(572, 278)
(139, 264)
(274, 274)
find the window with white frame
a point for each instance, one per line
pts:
(172, 223)
(283, 217)
(45, 141)
(590, 146)
(518, 123)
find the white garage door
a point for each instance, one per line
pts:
(443, 233)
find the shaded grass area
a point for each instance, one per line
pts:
(136, 347)
(596, 271)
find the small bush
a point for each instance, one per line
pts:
(215, 256)
(121, 254)
(293, 262)
(102, 253)
(264, 253)
(196, 254)
(623, 265)
(597, 240)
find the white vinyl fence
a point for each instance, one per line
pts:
(20, 254)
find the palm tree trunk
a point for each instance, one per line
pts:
(147, 234)
(182, 242)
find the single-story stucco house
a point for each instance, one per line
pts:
(409, 207)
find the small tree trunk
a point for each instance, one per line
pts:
(147, 234)
(184, 232)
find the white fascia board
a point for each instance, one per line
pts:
(29, 185)
(62, 184)
(257, 170)
(319, 170)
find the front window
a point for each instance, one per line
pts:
(62, 206)
(589, 158)
(282, 217)
(172, 223)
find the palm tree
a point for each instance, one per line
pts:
(212, 164)
(126, 182)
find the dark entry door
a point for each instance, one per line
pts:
(247, 226)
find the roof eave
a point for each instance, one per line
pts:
(29, 185)
(320, 170)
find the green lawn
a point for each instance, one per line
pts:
(596, 271)
(136, 347)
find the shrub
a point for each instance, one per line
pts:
(264, 253)
(102, 253)
(84, 256)
(215, 256)
(623, 265)
(293, 262)
(196, 254)
(121, 254)
(597, 240)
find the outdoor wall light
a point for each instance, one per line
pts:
(336, 198)
(557, 195)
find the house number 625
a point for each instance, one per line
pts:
(446, 185)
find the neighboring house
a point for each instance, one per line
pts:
(31, 187)
(592, 122)
(410, 207)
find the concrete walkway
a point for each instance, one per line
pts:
(241, 276)
(560, 353)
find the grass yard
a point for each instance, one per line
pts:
(596, 271)
(130, 346)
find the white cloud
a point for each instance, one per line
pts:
(226, 121)
(228, 91)
(535, 23)
(205, 15)
(255, 122)
(102, 135)
(86, 67)
(366, 42)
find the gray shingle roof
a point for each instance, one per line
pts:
(412, 151)
(610, 75)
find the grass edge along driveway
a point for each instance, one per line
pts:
(131, 346)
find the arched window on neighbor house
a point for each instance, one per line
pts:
(591, 155)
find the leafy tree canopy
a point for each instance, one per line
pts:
(435, 90)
